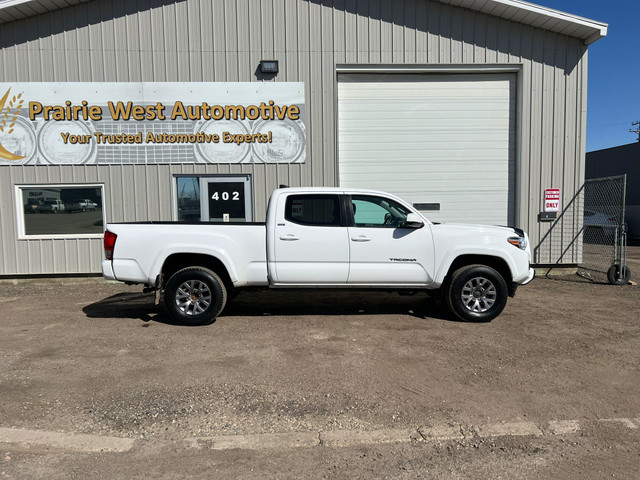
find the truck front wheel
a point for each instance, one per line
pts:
(476, 293)
(195, 296)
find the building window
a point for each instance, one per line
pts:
(60, 210)
(188, 197)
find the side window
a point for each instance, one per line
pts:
(369, 211)
(316, 210)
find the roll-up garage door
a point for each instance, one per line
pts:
(445, 143)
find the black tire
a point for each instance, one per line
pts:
(614, 272)
(208, 296)
(476, 293)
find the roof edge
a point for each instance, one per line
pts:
(583, 28)
(12, 3)
(600, 28)
(12, 10)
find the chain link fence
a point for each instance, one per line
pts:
(604, 230)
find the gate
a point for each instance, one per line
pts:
(604, 230)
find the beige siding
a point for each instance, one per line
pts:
(223, 40)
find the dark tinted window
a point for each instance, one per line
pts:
(320, 210)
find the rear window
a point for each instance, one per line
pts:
(317, 210)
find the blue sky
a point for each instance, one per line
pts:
(614, 69)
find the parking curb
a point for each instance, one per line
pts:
(74, 442)
(310, 439)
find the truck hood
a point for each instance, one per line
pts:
(469, 227)
(491, 237)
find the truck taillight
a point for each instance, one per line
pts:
(109, 244)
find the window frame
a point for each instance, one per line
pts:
(20, 213)
(203, 178)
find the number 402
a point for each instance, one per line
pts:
(225, 196)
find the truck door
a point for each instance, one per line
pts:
(311, 240)
(382, 252)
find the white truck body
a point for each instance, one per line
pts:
(296, 249)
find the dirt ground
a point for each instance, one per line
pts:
(100, 359)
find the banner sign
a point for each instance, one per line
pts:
(150, 123)
(552, 200)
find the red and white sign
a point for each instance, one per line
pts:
(552, 200)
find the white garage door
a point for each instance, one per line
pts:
(437, 141)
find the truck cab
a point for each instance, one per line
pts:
(351, 239)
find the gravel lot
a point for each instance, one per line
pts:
(99, 359)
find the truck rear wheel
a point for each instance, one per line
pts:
(476, 293)
(195, 296)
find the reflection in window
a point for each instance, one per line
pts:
(188, 199)
(73, 210)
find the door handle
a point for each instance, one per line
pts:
(360, 238)
(289, 237)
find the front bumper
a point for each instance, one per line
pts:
(532, 274)
(514, 285)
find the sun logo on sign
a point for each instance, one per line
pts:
(8, 117)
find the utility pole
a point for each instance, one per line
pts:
(636, 130)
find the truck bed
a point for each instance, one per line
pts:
(144, 246)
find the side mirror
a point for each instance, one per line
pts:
(413, 221)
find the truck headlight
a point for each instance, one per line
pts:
(520, 242)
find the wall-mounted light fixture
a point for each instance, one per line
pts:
(269, 66)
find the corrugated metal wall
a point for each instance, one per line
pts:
(224, 40)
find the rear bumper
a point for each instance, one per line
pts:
(128, 271)
(107, 270)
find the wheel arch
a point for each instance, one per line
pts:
(497, 263)
(177, 261)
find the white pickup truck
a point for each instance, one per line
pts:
(321, 238)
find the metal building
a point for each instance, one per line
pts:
(136, 110)
(620, 160)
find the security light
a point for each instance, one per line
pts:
(269, 66)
